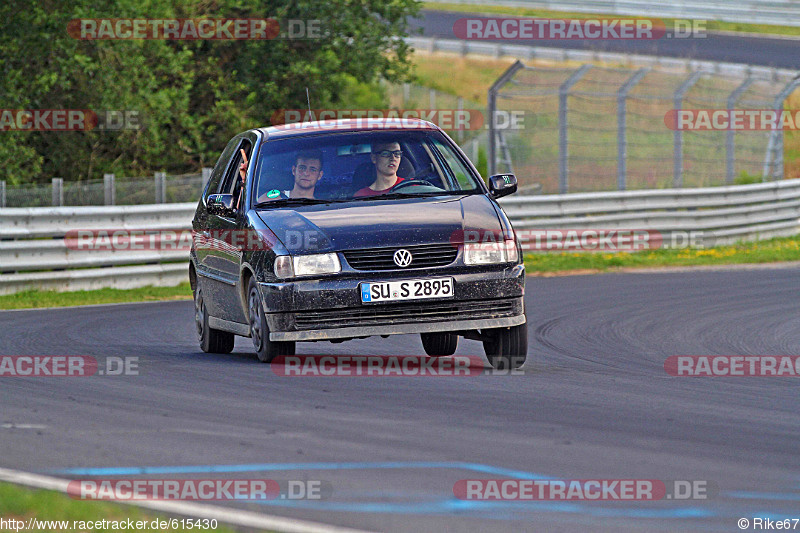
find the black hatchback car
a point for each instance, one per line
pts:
(347, 229)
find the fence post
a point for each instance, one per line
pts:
(109, 189)
(206, 176)
(773, 159)
(622, 129)
(160, 182)
(2, 193)
(432, 99)
(563, 147)
(58, 191)
(730, 146)
(406, 94)
(491, 107)
(677, 156)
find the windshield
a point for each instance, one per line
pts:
(359, 166)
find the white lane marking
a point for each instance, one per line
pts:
(23, 426)
(191, 509)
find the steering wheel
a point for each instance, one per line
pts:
(411, 183)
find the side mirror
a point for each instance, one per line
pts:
(221, 205)
(502, 185)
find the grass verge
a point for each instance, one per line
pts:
(21, 503)
(34, 298)
(710, 25)
(774, 250)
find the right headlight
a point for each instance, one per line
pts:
(306, 265)
(490, 253)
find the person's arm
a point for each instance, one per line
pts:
(242, 176)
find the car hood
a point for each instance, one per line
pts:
(379, 223)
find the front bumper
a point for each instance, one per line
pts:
(322, 309)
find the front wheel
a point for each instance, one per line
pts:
(266, 350)
(211, 340)
(506, 348)
(438, 344)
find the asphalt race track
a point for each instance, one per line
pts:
(775, 52)
(594, 403)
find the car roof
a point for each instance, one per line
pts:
(347, 125)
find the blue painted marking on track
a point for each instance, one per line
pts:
(274, 467)
(488, 509)
(454, 506)
(744, 495)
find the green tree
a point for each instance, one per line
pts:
(191, 96)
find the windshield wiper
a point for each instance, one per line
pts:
(283, 202)
(393, 195)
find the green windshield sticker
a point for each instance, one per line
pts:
(274, 193)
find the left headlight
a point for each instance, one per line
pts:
(309, 265)
(490, 252)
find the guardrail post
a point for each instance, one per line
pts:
(677, 176)
(563, 146)
(622, 130)
(773, 159)
(161, 187)
(2, 193)
(58, 191)
(406, 94)
(491, 108)
(109, 189)
(432, 99)
(206, 176)
(730, 143)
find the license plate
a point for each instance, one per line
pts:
(409, 289)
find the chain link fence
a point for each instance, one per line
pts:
(593, 128)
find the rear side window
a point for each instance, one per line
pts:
(232, 180)
(219, 169)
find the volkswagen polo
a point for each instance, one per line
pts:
(340, 230)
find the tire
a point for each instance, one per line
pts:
(439, 344)
(508, 347)
(211, 340)
(266, 350)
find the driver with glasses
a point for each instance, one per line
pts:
(386, 158)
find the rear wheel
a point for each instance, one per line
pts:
(266, 350)
(438, 344)
(211, 340)
(506, 348)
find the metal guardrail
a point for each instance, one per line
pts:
(35, 255)
(777, 12)
(719, 215)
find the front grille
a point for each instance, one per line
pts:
(423, 256)
(405, 313)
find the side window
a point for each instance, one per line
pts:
(232, 181)
(219, 168)
(456, 168)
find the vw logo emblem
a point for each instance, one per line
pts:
(402, 258)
